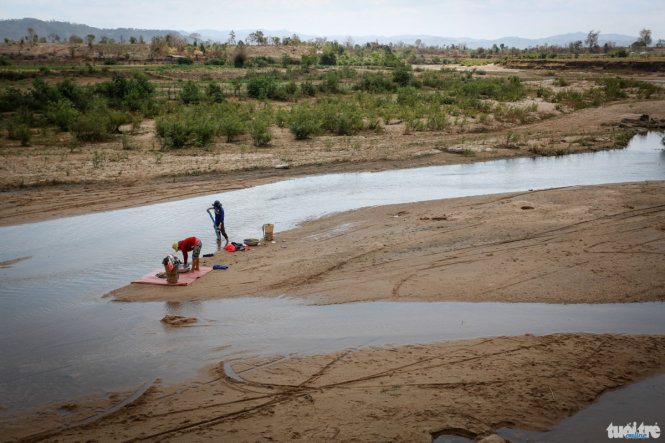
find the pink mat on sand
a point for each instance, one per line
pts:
(185, 278)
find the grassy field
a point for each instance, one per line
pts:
(80, 114)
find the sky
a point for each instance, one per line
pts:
(478, 19)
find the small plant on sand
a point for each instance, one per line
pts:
(127, 145)
(98, 159)
(560, 81)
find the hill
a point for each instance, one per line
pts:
(18, 28)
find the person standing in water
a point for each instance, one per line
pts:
(219, 219)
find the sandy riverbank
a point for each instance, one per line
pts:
(409, 393)
(598, 244)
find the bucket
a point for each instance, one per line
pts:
(267, 231)
(171, 270)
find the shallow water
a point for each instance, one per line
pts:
(124, 344)
(638, 403)
(58, 338)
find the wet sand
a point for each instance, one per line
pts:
(409, 393)
(598, 244)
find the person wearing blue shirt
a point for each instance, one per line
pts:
(219, 219)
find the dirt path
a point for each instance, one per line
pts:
(411, 393)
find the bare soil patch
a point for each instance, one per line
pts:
(410, 393)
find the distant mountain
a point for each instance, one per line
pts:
(18, 28)
(429, 40)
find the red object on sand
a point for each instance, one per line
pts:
(185, 278)
(230, 247)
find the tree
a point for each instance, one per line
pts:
(232, 38)
(645, 37)
(90, 38)
(195, 37)
(257, 37)
(75, 39)
(348, 42)
(592, 40)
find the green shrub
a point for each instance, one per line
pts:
(328, 58)
(13, 99)
(42, 94)
(437, 119)
(231, 125)
(560, 81)
(376, 82)
(341, 118)
(19, 131)
(92, 127)
(136, 94)
(259, 130)
(190, 93)
(98, 159)
(192, 127)
(172, 132)
(220, 61)
(214, 93)
(291, 88)
(402, 76)
(330, 83)
(62, 114)
(618, 53)
(127, 145)
(185, 61)
(262, 87)
(303, 123)
(308, 89)
(281, 118)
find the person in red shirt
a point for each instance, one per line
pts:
(190, 244)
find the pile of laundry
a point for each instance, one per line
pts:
(233, 247)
